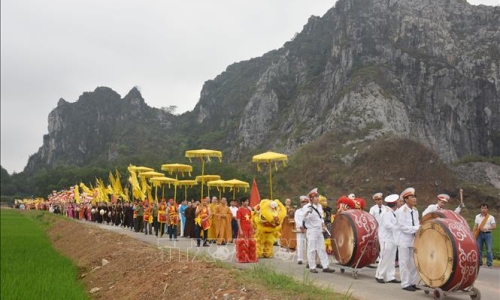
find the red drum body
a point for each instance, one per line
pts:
(446, 254)
(445, 214)
(354, 238)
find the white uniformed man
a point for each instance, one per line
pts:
(386, 226)
(407, 224)
(442, 200)
(377, 209)
(299, 227)
(315, 225)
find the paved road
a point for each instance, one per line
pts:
(363, 288)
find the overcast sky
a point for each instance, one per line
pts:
(55, 49)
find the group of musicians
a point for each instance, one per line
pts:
(398, 220)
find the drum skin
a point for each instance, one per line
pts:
(446, 254)
(446, 214)
(354, 238)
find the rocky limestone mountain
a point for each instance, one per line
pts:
(102, 125)
(418, 69)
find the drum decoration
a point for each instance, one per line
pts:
(101, 212)
(92, 210)
(446, 254)
(446, 214)
(354, 238)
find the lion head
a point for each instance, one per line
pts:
(268, 215)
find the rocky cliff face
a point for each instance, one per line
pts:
(100, 125)
(419, 69)
(425, 70)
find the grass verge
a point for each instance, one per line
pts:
(31, 269)
(287, 286)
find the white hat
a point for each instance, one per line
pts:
(408, 192)
(377, 195)
(304, 198)
(444, 197)
(391, 198)
(351, 196)
(313, 192)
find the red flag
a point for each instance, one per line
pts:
(254, 194)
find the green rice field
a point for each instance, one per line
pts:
(30, 267)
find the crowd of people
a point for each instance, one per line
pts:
(398, 221)
(305, 230)
(212, 220)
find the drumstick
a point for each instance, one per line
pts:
(326, 229)
(462, 198)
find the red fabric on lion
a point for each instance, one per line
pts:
(246, 251)
(345, 203)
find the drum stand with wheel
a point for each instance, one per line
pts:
(445, 254)
(354, 267)
(439, 294)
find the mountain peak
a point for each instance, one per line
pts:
(134, 96)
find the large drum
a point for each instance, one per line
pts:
(354, 238)
(446, 254)
(446, 214)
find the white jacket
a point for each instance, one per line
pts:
(387, 225)
(299, 217)
(405, 229)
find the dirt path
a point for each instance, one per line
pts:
(137, 268)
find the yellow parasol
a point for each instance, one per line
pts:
(140, 169)
(268, 158)
(237, 184)
(149, 174)
(203, 154)
(186, 184)
(220, 184)
(177, 168)
(145, 186)
(161, 181)
(206, 178)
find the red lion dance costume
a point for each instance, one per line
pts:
(345, 203)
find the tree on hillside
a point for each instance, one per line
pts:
(7, 186)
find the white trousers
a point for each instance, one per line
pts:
(386, 268)
(407, 267)
(301, 245)
(316, 244)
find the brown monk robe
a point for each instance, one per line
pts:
(189, 213)
(223, 217)
(212, 234)
(288, 239)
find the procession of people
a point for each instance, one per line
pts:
(305, 232)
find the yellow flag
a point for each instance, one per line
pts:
(77, 194)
